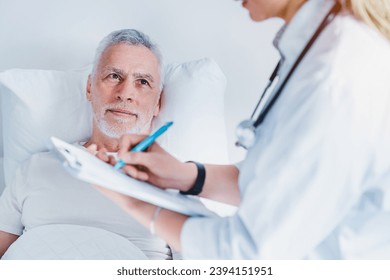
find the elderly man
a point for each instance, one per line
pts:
(124, 91)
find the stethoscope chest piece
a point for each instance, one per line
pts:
(245, 132)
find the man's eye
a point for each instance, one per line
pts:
(115, 76)
(144, 82)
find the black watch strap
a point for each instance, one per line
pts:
(199, 182)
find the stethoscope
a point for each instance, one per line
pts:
(246, 129)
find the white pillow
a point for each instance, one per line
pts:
(37, 104)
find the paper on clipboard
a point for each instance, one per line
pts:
(87, 167)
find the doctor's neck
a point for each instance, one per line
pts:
(290, 9)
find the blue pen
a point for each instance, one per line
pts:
(143, 145)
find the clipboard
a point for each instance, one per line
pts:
(86, 167)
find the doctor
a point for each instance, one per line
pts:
(316, 179)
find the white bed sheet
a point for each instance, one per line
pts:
(72, 242)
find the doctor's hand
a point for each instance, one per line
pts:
(155, 165)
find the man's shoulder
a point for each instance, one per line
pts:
(41, 158)
(36, 164)
(43, 155)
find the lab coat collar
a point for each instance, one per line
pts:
(292, 37)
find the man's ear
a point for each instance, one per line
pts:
(158, 107)
(88, 89)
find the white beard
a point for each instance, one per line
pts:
(116, 132)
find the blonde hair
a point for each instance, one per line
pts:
(373, 12)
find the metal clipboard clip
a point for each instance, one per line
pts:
(71, 160)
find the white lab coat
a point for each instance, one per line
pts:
(316, 183)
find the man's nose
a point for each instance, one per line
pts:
(126, 91)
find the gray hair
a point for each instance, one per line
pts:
(130, 37)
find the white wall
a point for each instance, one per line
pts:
(63, 35)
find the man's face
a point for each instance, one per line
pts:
(125, 90)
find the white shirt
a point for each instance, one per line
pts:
(316, 183)
(43, 194)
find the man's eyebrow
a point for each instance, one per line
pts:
(143, 76)
(115, 70)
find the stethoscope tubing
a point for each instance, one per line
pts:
(252, 125)
(328, 19)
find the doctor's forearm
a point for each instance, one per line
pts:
(221, 184)
(167, 224)
(6, 239)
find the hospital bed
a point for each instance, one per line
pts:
(38, 104)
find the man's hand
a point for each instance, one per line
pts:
(101, 154)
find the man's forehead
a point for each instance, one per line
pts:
(125, 50)
(121, 57)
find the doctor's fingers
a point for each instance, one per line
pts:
(126, 142)
(136, 172)
(145, 159)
